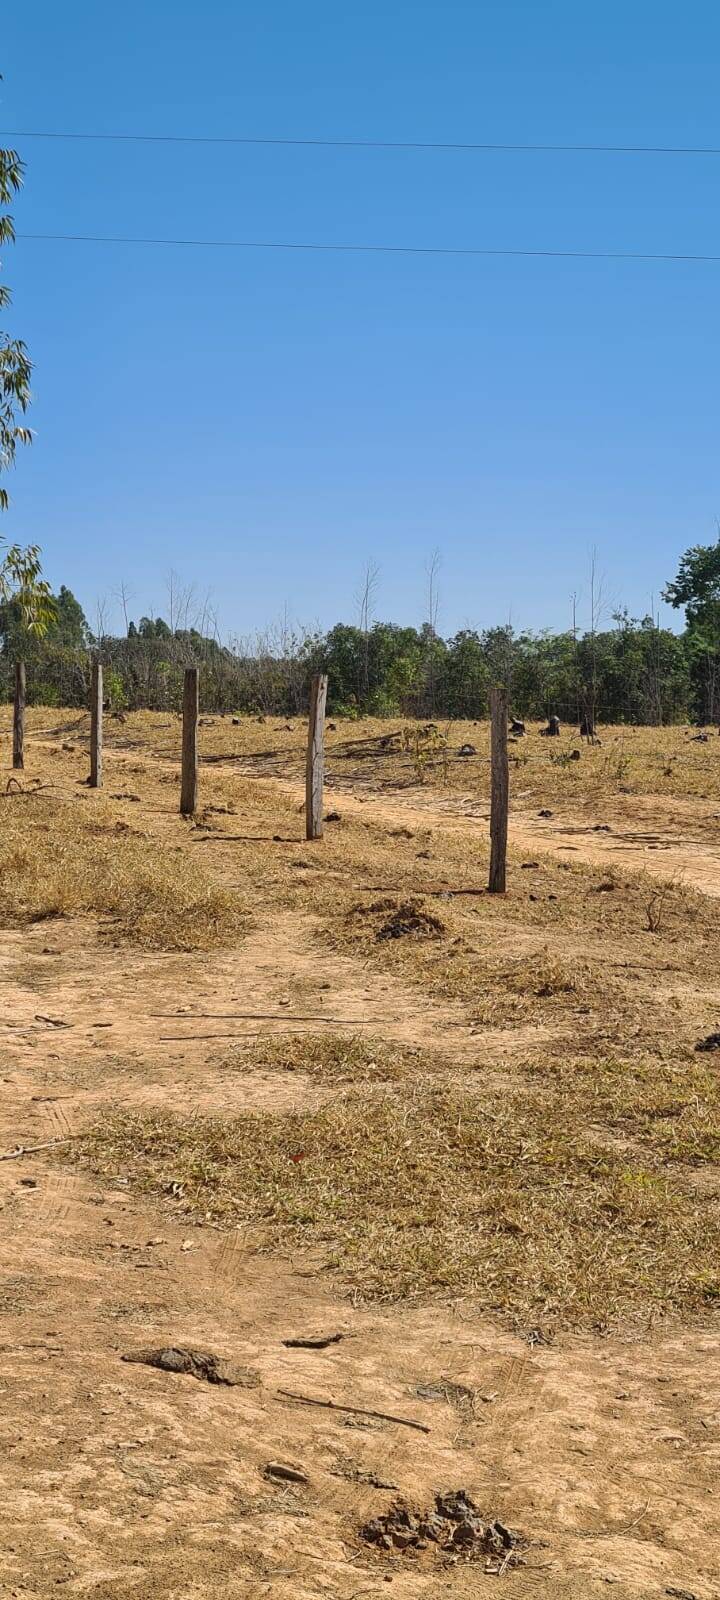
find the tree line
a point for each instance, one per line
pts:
(633, 671)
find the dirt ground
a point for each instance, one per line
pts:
(600, 1449)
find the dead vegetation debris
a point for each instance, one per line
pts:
(202, 1364)
(453, 1526)
(709, 1043)
(406, 919)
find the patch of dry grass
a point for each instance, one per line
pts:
(665, 762)
(642, 761)
(668, 1106)
(59, 858)
(414, 1189)
(331, 1057)
(568, 941)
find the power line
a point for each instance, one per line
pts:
(371, 249)
(374, 144)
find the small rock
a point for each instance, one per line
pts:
(286, 1472)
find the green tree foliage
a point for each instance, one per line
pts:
(70, 626)
(15, 367)
(20, 569)
(696, 587)
(642, 673)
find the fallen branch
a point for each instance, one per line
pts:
(318, 1341)
(188, 1038)
(17, 788)
(382, 739)
(258, 1016)
(382, 888)
(29, 1149)
(356, 1411)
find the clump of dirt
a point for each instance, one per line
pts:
(453, 1526)
(410, 919)
(201, 1364)
(712, 1042)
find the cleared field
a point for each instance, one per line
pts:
(337, 1082)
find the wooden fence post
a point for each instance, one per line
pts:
(96, 726)
(315, 769)
(19, 716)
(499, 789)
(191, 707)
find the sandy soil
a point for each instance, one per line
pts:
(121, 1480)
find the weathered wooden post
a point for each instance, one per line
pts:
(19, 716)
(191, 707)
(499, 789)
(315, 770)
(96, 726)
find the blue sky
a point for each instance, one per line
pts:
(264, 423)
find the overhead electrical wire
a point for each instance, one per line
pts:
(372, 144)
(373, 249)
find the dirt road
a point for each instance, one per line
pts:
(122, 1480)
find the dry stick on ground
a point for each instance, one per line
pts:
(499, 785)
(374, 738)
(386, 888)
(188, 1038)
(356, 1411)
(314, 773)
(96, 726)
(19, 717)
(30, 1149)
(263, 1016)
(191, 707)
(37, 788)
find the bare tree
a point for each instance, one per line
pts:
(432, 573)
(181, 604)
(366, 596)
(101, 614)
(124, 595)
(597, 607)
(576, 675)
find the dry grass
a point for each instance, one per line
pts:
(59, 858)
(568, 946)
(414, 1189)
(578, 1189)
(642, 761)
(331, 1058)
(663, 762)
(670, 1107)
